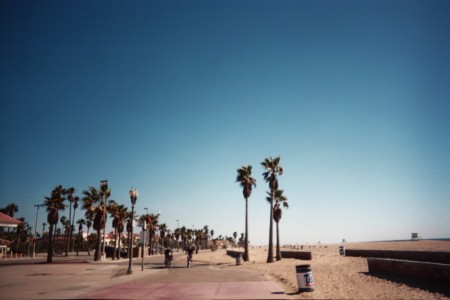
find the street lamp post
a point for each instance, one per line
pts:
(35, 228)
(133, 197)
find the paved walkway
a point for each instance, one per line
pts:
(107, 280)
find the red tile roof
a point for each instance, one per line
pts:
(7, 221)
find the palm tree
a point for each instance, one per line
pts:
(247, 183)
(122, 215)
(162, 233)
(206, 235)
(105, 192)
(177, 234)
(54, 204)
(119, 214)
(152, 222)
(273, 169)
(72, 228)
(64, 223)
(88, 225)
(10, 209)
(279, 198)
(70, 197)
(96, 211)
(80, 223)
(183, 236)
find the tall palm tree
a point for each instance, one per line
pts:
(11, 209)
(111, 208)
(162, 232)
(183, 235)
(54, 204)
(122, 216)
(72, 228)
(279, 198)
(65, 226)
(273, 169)
(177, 234)
(247, 183)
(88, 225)
(70, 197)
(105, 192)
(206, 235)
(152, 222)
(96, 211)
(80, 223)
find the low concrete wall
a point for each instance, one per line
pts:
(425, 256)
(234, 254)
(297, 255)
(432, 272)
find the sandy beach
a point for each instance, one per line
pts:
(335, 276)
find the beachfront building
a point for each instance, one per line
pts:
(6, 222)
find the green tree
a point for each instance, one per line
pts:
(273, 169)
(247, 183)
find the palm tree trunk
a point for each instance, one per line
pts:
(71, 230)
(50, 245)
(246, 255)
(97, 246)
(278, 243)
(115, 243)
(120, 234)
(270, 250)
(88, 244)
(69, 235)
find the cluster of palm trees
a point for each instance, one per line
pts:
(98, 206)
(275, 198)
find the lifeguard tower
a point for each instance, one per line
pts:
(415, 236)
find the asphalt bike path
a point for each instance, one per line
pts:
(73, 278)
(200, 281)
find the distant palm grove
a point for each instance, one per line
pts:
(98, 209)
(63, 236)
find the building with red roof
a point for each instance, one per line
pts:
(7, 221)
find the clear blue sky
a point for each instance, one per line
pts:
(173, 96)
